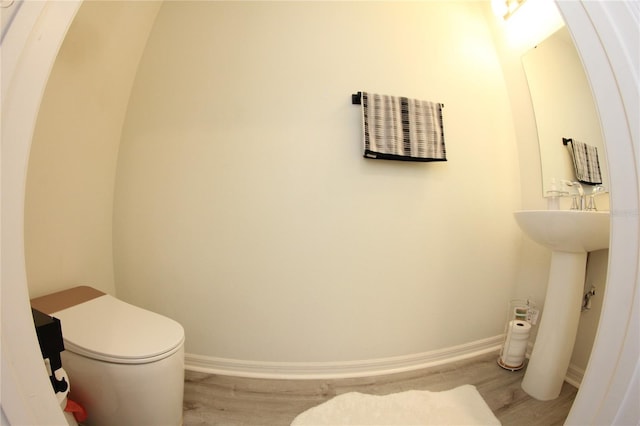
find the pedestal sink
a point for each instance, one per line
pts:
(570, 234)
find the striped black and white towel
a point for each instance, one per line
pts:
(399, 128)
(585, 162)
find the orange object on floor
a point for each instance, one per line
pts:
(78, 411)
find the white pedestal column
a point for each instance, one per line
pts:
(558, 327)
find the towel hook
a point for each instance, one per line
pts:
(566, 141)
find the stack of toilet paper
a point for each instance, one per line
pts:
(515, 345)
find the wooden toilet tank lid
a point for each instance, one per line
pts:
(65, 299)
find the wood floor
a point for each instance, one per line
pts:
(223, 400)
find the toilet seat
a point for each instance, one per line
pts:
(108, 329)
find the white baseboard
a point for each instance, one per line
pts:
(338, 370)
(574, 375)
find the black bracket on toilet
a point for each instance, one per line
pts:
(49, 332)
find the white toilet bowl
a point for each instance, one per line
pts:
(125, 364)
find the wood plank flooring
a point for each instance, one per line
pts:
(224, 400)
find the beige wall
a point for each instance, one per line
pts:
(512, 39)
(72, 164)
(244, 208)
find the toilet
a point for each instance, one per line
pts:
(125, 364)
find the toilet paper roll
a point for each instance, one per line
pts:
(519, 327)
(515, 344)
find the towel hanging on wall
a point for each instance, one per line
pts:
(400, 128)
(585, 161)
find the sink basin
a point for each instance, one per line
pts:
(570, 235)
(566, 230)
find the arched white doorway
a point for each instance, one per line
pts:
(605, 34)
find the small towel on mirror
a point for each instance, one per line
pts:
(585, 162)
(400, 128)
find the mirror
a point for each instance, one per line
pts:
(563, 106)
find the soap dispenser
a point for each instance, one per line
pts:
(553, 196)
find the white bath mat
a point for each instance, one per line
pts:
(460, 406)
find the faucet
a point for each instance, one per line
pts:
(578, 201)
(591, 204)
